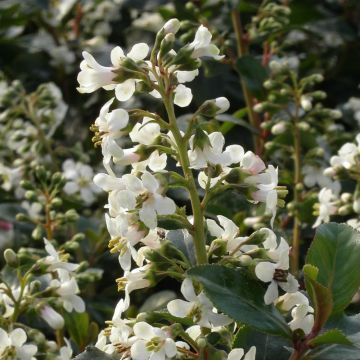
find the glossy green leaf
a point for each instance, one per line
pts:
(241, 298)
(334, 336)
(267, 347)
(320, 295)
(335, 352)
(335, 251)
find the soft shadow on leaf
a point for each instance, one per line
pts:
(235, 294)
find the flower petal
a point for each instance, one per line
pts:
(183, 96)
(125, 90)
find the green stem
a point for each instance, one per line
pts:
(295, 250)
(242, 50)
(199, 225)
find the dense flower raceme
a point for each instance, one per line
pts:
(51, 291)
(343, 166)
(138, 202)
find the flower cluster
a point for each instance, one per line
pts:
(143, 220)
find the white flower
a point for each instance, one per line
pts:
(66, 351)
(198, 307)
(252, 163)
(303, 318)
(8, 301)
(146, 132)
(315, 176)
(33, 209)
(152, 343)
(237, 354)
(346, 155)
(155, 162)
(228, 232)
(186, 76)
(213, 152)
(327, 206)
(108, 182)
(67, 288)
(10, 177)
(276, 272)
(94, 76)
(266, 182)
(183, 96)
(79, 180)
(202, 45)
(102, 344)
(126, 236)
(305, 102)
(149, 192)
(287, 301)
(126, 89)
(54, 261)
(112, 122)
(52, 317)
(133, 280)
(15, 341)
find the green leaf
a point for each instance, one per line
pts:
(252, 73)
(267, 347)
(335, 352)
(241, 298)
(229, 119)
(93, 353)
(320, 296)
(334, 336)
(81, 330)
(335, 251)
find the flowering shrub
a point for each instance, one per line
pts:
(206, 241)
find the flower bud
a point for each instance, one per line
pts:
(11, 258)
(304, 126)
(214, 107)
(335, 114)
(27, 185)
(166, 44)
(30, 195)
(56, 202)
(37, 233)
(52, 317)
(356, 205)
(279, 128)
(329, 172)
(305, 102)
(72, 215)
(245, 260)
(345, 210)
(258, 108)
(223, 104)
(171, 26)
(201, 140)
(345, 197)
(22, 217)
(251, 221)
